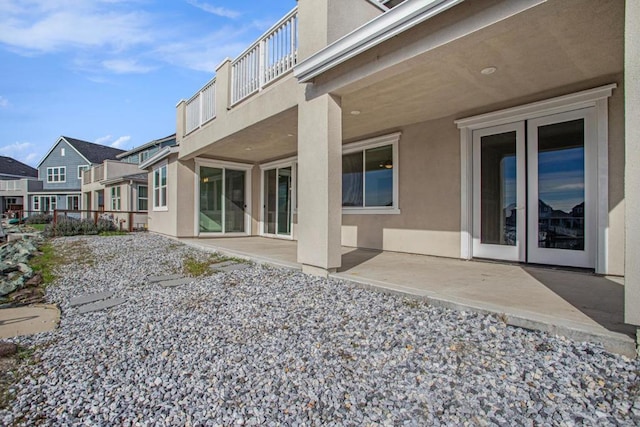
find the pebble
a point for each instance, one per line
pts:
(270, 346)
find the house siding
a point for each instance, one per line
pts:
(71, 160)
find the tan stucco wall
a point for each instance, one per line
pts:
(632, 173)
(429, 197)
(166, 222)
(616, 181)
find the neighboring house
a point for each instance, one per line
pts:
(414, 129)
(120, 185)
(61, 172)
(16, 179)
(142, 153)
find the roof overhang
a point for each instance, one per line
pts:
(397, 20)
(160, 155)
(147, 145)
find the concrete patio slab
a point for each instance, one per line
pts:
(575, 304)
(176, 282)
(101, 305)
(28, 320)
(85, 299)
(156, 279)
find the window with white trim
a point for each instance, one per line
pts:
(160, 188)
(36, 203)
(115, 198)
(11, 201)
(81, 169)
(143, 197)
(57, 174)
(73, 203)
(370, 175)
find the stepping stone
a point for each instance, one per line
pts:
(156, 279)
(218, 266)
(235, 267)
(85, 299)
(176, 282)
(101, 305)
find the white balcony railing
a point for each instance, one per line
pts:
(13, 185)
(273, 55)
(201, 107)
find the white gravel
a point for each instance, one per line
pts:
(267, 346)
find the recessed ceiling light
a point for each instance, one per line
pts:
(248, 149)
(355, 112)
(290, 135)
(488, 70)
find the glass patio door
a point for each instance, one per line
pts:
(277, 201)
(499, 192)
(534, 200)
(561, 207)
(222, 200)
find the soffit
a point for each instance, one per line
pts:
(553, 45)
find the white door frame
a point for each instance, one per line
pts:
(483, 250)
(247, 195)
(291, 162)
(596, 97)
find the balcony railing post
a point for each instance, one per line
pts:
(262, 55)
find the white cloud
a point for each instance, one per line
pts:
(215, 10)
(4, 102)
(62, 29)
(126, 66)
(103, 139)
(120, 142)
(26, 152)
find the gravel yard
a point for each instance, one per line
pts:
(267, 346)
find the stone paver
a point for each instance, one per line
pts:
(220, 265)
(156, 279)
(28, 320)
(234, 267)
(101, 305)
(176, 282)
(85, 299)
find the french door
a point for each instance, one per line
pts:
(534, 190)
(277, 206)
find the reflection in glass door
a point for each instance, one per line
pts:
(222, 200)
(561, 167)
(277, 201)
(537, 207)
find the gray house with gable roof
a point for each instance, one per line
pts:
(61, 172)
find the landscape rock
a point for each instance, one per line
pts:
(7, 349)
(14, 270)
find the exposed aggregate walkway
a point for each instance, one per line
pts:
(267, 346)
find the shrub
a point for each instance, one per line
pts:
(39, 218)
(67, 226)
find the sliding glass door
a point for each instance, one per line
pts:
(222, 200)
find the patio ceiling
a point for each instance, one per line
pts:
(549, 46)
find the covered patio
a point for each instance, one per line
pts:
(571, 303)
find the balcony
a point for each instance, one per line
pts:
(268, 59)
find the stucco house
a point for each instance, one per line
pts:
(16, 179)
(490, 129)
(61, 171)
(119, 185)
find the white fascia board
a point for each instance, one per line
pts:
(397, 20)
(159, 156)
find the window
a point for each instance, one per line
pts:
(144, 156)
(62, 152)
(36, 203)
(57, 174)
(143, 197)
(370, 176)
(11, 201)
(115, 198)
(81, 169)
(73, 203)
(45, 203)
(160, 188)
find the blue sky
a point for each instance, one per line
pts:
(112, 71)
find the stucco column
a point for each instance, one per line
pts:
(319, 184)
(632, 165)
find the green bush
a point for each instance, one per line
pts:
(39, 218)
(67, 226)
